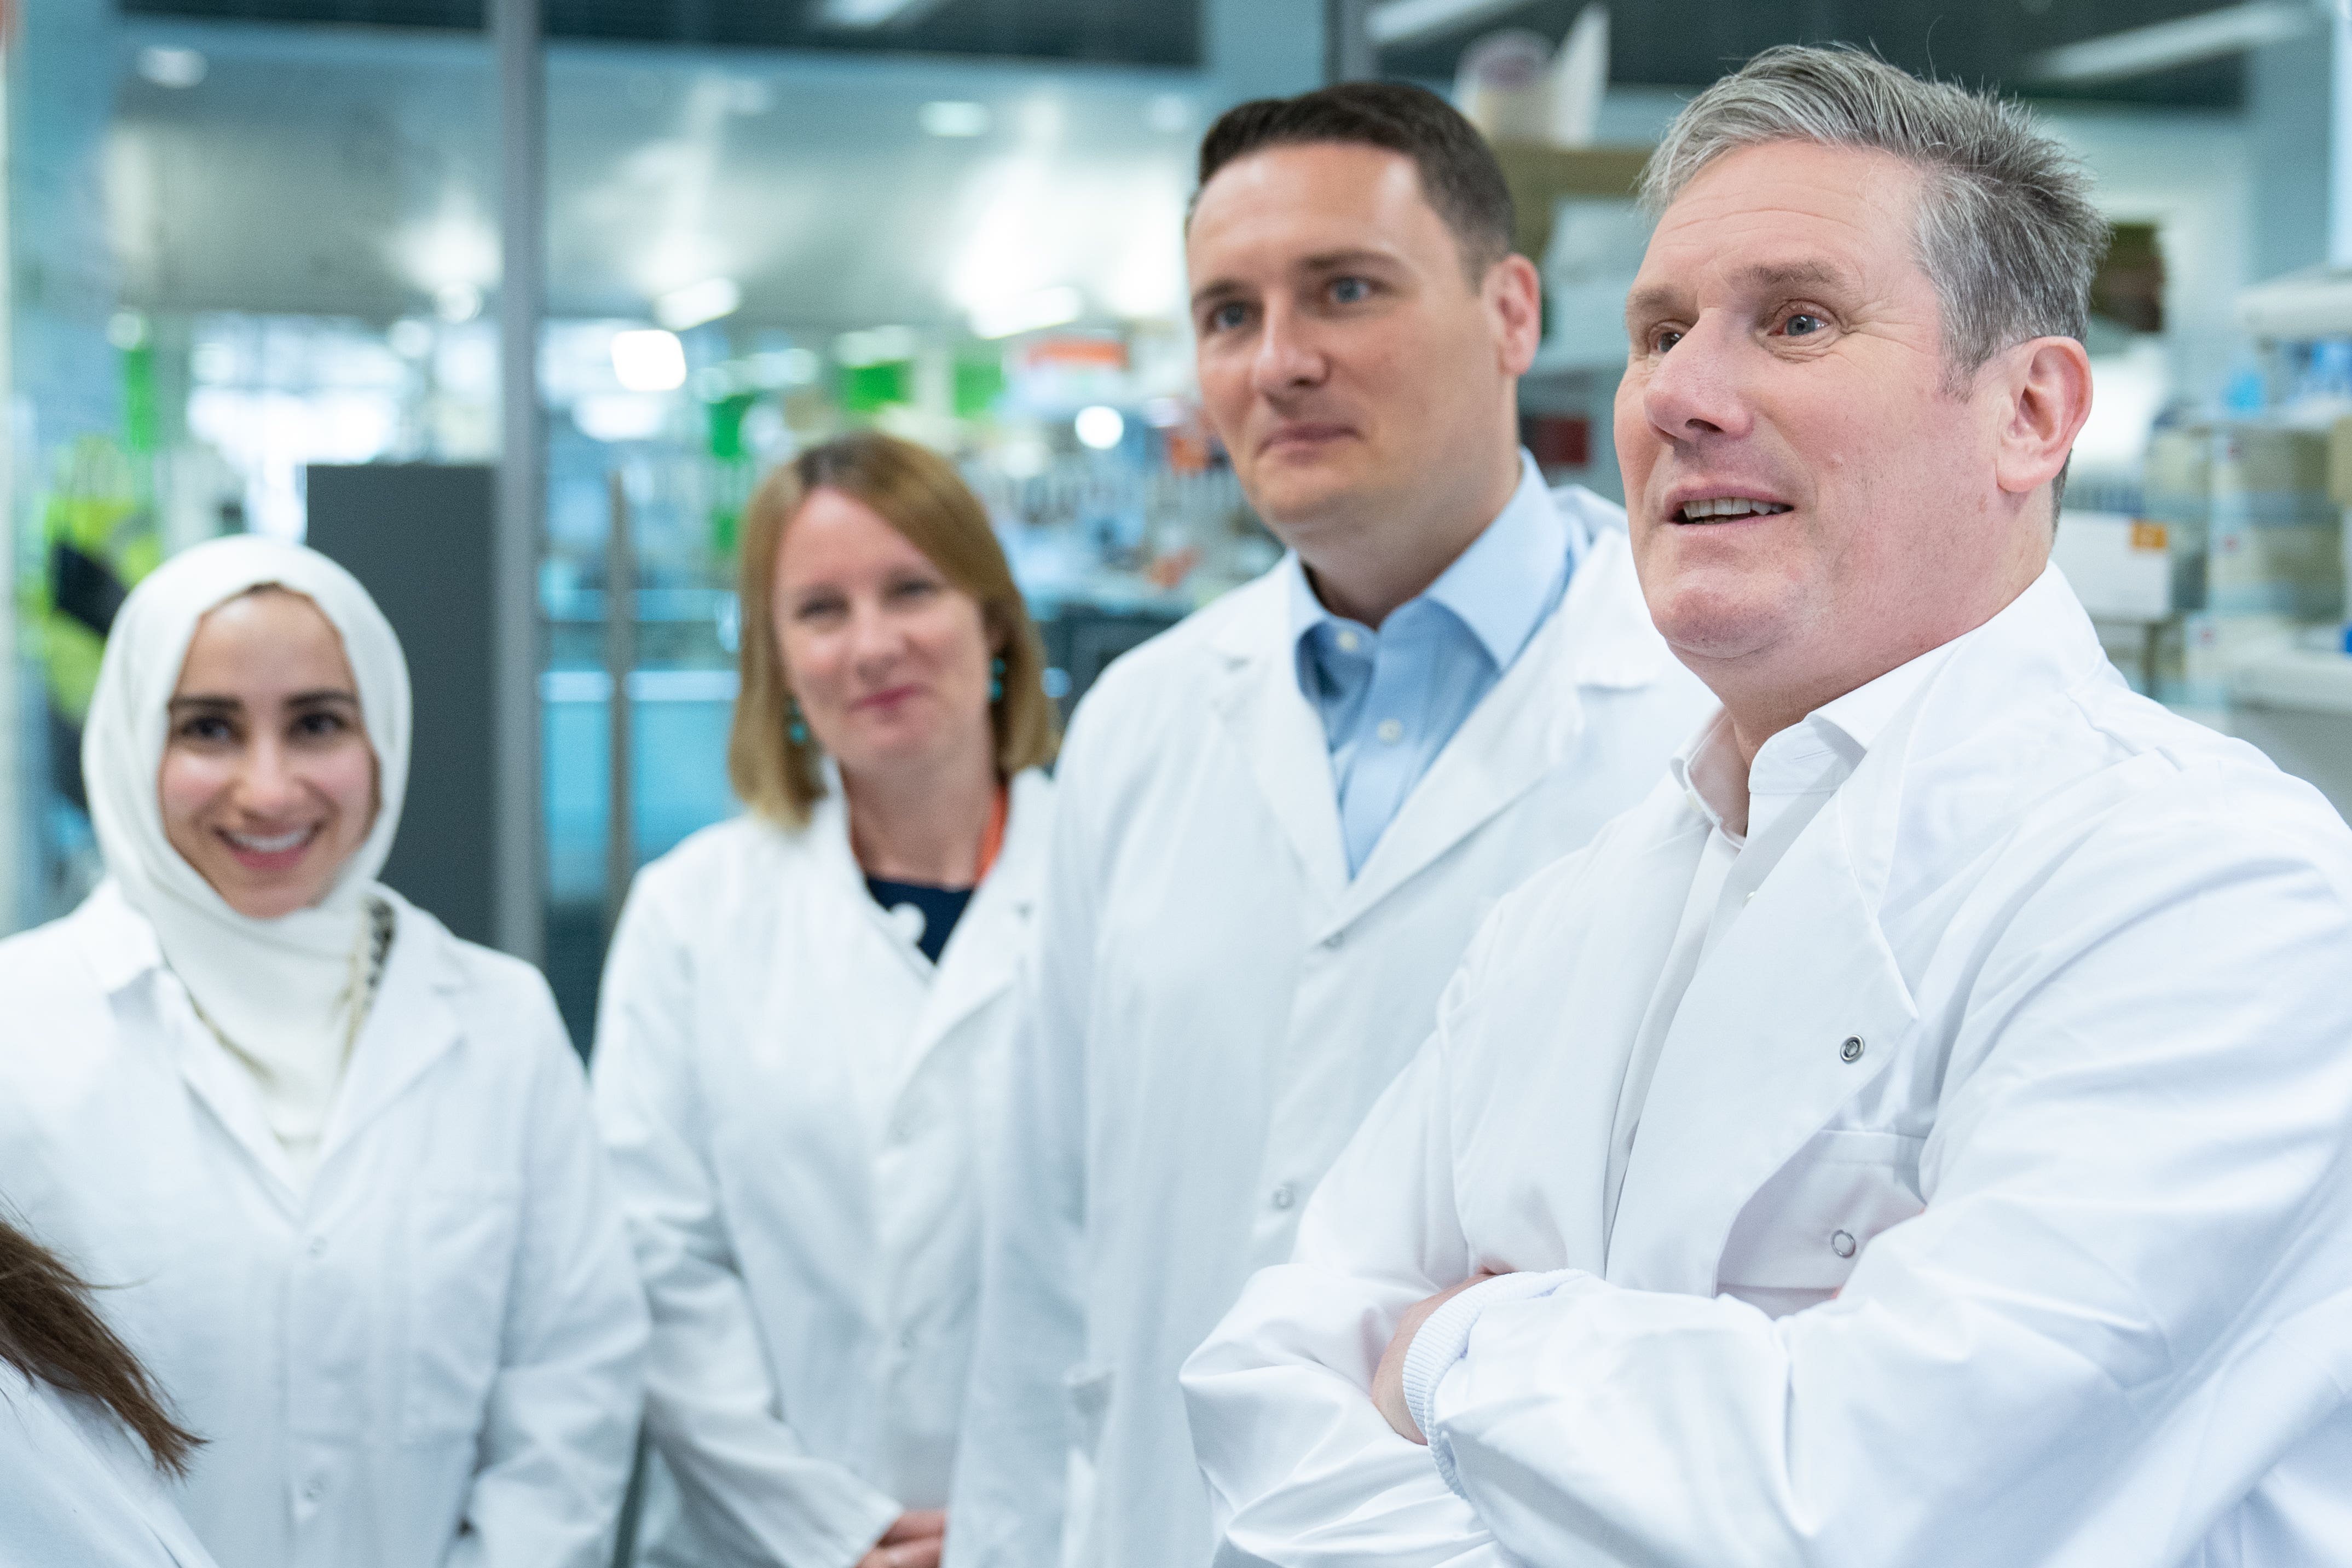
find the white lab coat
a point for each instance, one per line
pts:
(76, 1487)
(1217, 1004)
(1991, 1203)
(795, 1099)
(434, 1357)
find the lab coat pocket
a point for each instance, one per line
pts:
(461, 1261)
(1806, 1226)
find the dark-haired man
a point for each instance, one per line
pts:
(1278, 823)
(1914, 1135)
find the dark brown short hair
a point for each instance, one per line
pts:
(1459, 175)
(918, 493)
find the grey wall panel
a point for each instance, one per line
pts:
(418, 536)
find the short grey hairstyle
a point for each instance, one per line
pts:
(2006, 229)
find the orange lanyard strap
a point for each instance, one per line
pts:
(993, 840)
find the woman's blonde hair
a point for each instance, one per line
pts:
(919, 494)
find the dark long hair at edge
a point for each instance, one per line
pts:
(50, 1333)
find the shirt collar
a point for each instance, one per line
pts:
(1499, 587)
(1818, 752)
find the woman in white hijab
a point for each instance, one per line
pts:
(331, 1166)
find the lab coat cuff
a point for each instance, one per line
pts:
(1440, 1344)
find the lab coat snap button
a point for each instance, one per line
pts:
(318, 1246)
(1841, 1243)
(314, 1491)
(1851, 1049)
(1282, 1198)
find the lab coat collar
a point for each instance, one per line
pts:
(1499, 587)
(412, 1024)
(981, 955)
(1757, 1059)
(121, 951)
(1599, 636)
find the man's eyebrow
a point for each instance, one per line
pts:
(1764, 278)
(1768, 276)
(1219, 288)
(1329, 260)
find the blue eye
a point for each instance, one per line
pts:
(1350, 290)
(1666, 339)
(1226, 317)
(1803, 324)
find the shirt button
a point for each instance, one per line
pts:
(1348, 641)
(1390, 730)
(1851, 1049)
(314, 1491)
(316, 1247)
(907, 1342)
(1841, 1243)
(1283, 1198)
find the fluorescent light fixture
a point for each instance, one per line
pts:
(620, 416)
(784, 368)
(953, 117)
(698, 303)
(1100, 426)
(2187, 41)
(650, 362)
(1409, 21)
(173, 68)
(876, 346)
(1054, 307)
(874, 12)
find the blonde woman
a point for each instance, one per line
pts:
(332, 1168)
(804, 1016)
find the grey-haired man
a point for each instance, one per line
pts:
(1916, 1135)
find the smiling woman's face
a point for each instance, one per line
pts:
(888, 659)
(269, 783)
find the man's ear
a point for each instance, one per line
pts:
(1514, 299)
(2046, 396)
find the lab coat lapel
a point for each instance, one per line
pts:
(225, 1090)
(121, 949)
(1757, 1061)
(412, 1025)
(1528, 725)
(1289, 755)
(983, 954)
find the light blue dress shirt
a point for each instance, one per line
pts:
(1390, 700)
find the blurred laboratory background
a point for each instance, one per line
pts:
(506, 303)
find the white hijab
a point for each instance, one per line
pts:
(280, 991)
